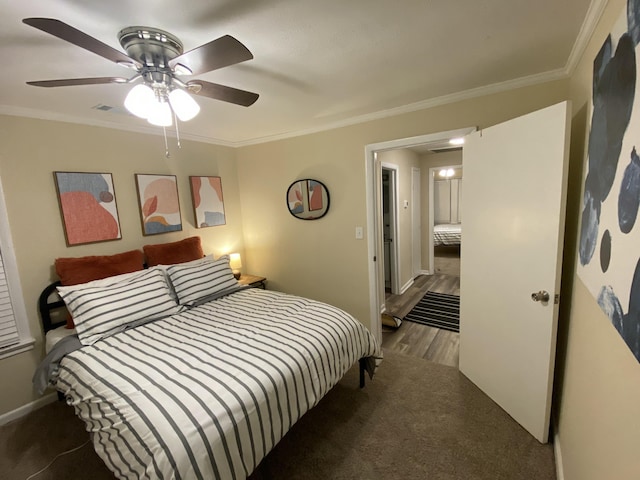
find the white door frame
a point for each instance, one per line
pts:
(416, 223)
(393, 219)
(432, 213)
(374, 246)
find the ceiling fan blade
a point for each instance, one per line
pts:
(218, 53)
(73, 35)
(222, 92)
(69, 82)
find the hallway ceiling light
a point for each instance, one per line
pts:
(457, 141)
(446, 172)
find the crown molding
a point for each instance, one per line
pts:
(550, 76)
(594, 13)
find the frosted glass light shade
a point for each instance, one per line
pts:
(160, 114)
(183, 104)
(235, 261)
(140, 100)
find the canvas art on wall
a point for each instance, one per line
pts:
(159, 203)
(208, 202)
(308, 199)
(609, 249)
(88, 206)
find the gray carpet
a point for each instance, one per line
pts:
(415, 420)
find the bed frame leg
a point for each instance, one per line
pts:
(362, 369)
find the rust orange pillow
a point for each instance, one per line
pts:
(73, 271)
(174, 252)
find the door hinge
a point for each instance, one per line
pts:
(556, 298)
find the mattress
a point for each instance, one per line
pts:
(54, 336)
(447, 234)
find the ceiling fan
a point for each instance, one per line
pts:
(160, 62)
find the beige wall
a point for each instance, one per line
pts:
(597, 377)
(30, 150)
(322, 259)
(405, 160)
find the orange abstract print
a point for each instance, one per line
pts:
(88, 207)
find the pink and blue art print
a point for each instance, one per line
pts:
(159, 203)
(88, 207)
(208, 202)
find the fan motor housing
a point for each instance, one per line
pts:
(150, 46)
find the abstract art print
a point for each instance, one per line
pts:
(88, 206)
(208, 202)
(308, 199)
(294, 198)
(609, 248)
(159, 203)
(315, 192)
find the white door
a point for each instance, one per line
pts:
(514, 203)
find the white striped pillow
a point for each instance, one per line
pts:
(105, 310)
(194, 282)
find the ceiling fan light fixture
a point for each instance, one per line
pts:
(140, 100)
(184, 106)
(160, 114)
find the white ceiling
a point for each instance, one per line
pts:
(318, 63)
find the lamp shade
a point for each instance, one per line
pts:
(160, 114)
(235, 261)
(140, 100)
(183, 104)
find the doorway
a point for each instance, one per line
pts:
(390, 226)
(445, 218)
(375, 234)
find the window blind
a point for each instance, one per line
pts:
(9, 335)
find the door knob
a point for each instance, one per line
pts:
(541, 296)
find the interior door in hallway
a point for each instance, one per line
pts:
(514, 206)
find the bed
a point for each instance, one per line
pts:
(198, 385)
(447, 234)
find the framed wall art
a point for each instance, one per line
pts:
(159, 203)
(308, 199)
(208, 202)
(88, 207)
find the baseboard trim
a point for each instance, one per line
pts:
(406, 286)
(558, 454)
(28, 408)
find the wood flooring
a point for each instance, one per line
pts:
(414, 339)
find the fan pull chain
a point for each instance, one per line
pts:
(166, 144)
(175, 119)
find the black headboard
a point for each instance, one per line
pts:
(50, 303)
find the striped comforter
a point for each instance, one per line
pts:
(447, 234)
(209, 392)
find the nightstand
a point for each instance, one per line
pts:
(253, 281)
